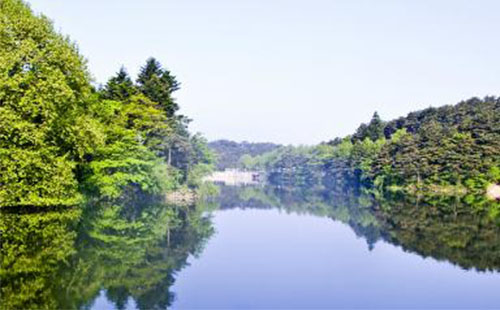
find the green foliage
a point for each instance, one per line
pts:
(158, 84)
(246, 161)
(494, 174)
(201, 161)
(373, 131)
(449, 150)
(444, 147)
(236, 155)
(288, 165)
(127, 158)
(44, 127)
(36, 178)
(119, 87)
(59, 136)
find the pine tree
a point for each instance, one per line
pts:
(375, 128)
(158, 85)
(119, 87)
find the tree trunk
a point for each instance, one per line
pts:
(168, 235)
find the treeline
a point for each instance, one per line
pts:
(450, 150)
(232, 154)
(61, 137)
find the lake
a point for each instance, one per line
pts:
(271, 259)
(256, 247)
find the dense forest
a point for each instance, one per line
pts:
(84, 170)
(63, 139)
(446, 150)
(232, 154)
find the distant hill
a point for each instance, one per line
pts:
(229, 153)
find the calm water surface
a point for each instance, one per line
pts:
(271, 259)
(254, 247)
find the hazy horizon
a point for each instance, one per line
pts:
(293, 72)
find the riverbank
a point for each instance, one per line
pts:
(234, 177)
(183, 196)
(492, 191)
(434, 189)
(188, 196)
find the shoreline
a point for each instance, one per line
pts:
(183, 196)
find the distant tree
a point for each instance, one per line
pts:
(448, 147)
(374, 130)
(335, 141)
(230, 153)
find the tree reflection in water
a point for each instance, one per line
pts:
(132, 250)
(63, 258)
(442, 227)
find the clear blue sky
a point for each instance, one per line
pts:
(295, 71)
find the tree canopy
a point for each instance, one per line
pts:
(60, 137)
(448, 150)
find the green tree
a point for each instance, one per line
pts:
(374, 130)
(45, 127)
(158, 85)
(119, 87)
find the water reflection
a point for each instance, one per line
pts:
(65, 260)
(34, 246)
(127, 254)
(444, 228)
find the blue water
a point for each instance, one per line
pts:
(271, 259)
(262, 247)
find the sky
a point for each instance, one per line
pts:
(294, 71)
